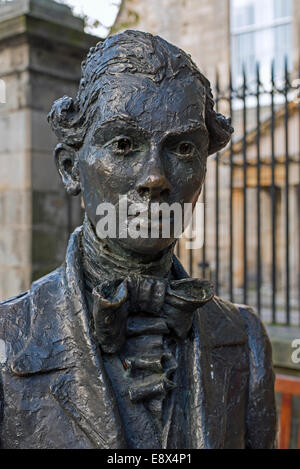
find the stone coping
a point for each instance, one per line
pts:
(282, 338)
(42, 9)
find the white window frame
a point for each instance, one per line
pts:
(254, 28)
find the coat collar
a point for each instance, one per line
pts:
(61, 339)
(210, 375)
(218, 321)
(65, 342)
(217, 324)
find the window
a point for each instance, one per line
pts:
(261, 31)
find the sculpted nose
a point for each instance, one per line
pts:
(154, 183)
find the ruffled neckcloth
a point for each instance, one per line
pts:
(139, 313)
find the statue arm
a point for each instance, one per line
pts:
(261, 417)
(14, 322)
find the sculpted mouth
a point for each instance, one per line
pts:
(157, 216)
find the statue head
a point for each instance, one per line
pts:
(142, 126)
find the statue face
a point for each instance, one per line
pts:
(147, 141)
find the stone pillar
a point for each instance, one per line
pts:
(41, 48)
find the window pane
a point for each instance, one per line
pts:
(283, 45)
(258, 12)
(243, 13)
(243, 46)
(282, 8)
(263, 12)
(262, 44)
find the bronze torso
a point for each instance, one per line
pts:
(118, 348)
(57, 391)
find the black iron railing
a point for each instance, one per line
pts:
(260, 157)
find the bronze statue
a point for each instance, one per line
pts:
(119, 348)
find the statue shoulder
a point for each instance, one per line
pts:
(16, 313)
(12, 310)
(242, 315)
(224, 311)
(255, 328)
(233, 323)
(14, 324)
(261, 408)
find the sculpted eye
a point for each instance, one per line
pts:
(123, 145)
(185, 149)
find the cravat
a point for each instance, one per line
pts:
(139, 315)
(172, 301)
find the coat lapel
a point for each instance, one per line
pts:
(217, 326)
(81, 386)
(210, 370)
(208, 397)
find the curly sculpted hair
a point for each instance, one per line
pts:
(131, 52)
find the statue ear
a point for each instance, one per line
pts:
(220, 130)
(67, 165)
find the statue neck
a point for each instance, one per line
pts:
(105, 259)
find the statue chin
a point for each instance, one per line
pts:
(142, 246)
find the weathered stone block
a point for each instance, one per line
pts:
(15, 280)
(15, 247)
(16, 133)
(282, 339)
(14, 171)
(49, 208)
(15, 208)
